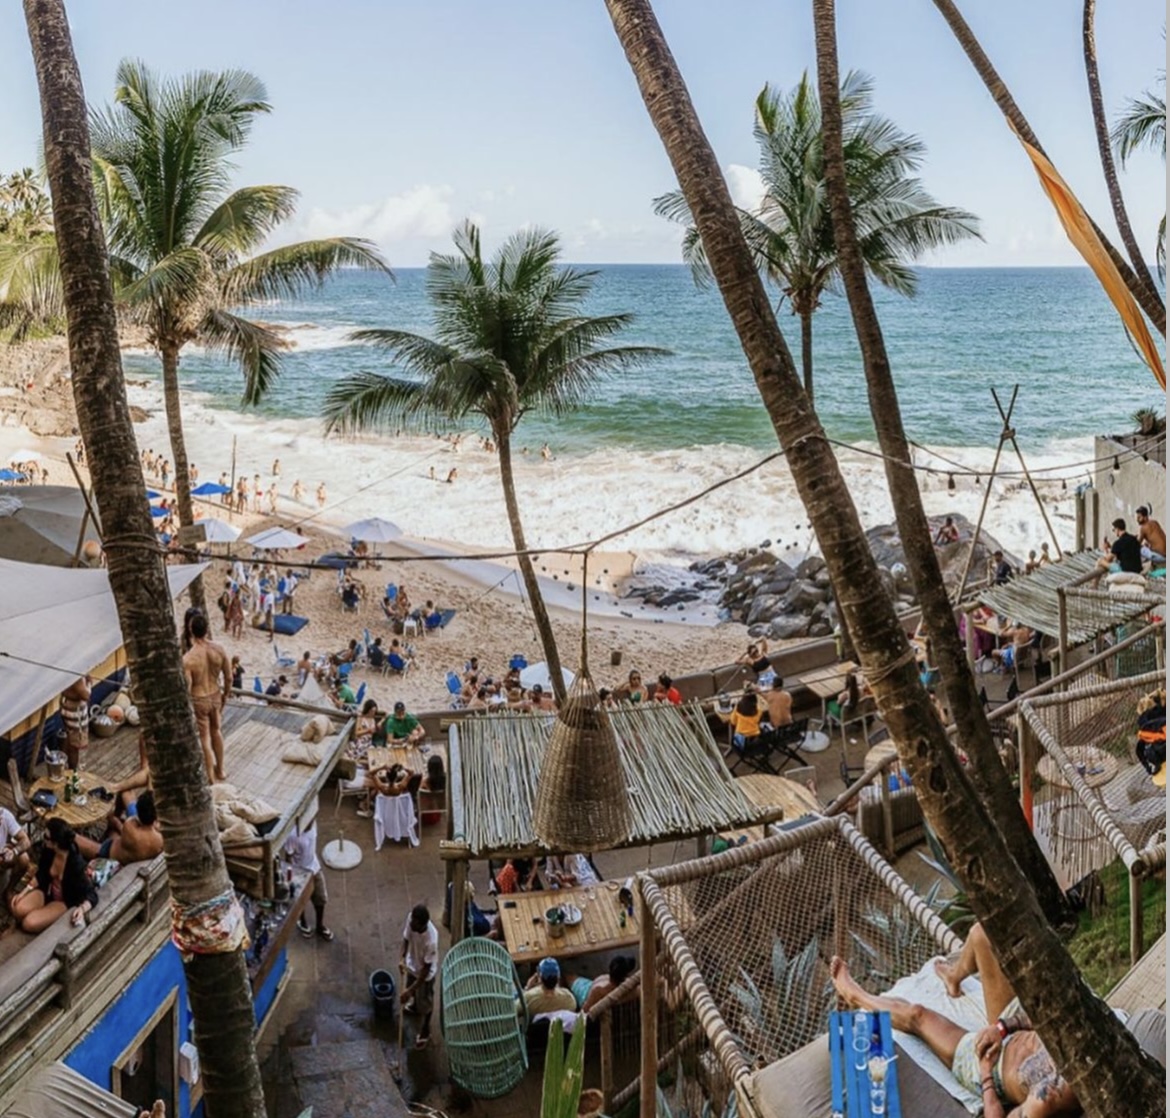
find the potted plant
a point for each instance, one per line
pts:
(1146, 420)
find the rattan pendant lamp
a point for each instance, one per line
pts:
(582, 803)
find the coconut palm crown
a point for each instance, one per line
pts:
(790, 233)
(510, 338)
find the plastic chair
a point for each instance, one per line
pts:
(518, 663)
(392, 592)
(361, 694)
(257, 686)
(482, 1032)
(454, 684)
(395, 819)
(282, 661)
(343, 671)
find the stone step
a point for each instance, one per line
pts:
(350, 1079)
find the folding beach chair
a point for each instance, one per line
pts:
(788, 740)
(282, 661)
(396, 664)
(455, 688)
(257, 686)
(361, 694)
(756, 751)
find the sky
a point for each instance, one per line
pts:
(397, 119)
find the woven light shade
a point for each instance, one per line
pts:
(582, 804)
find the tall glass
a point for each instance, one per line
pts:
(860, 1040)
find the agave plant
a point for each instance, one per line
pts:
(894, 944)
(678, 1105)
(563, 1072)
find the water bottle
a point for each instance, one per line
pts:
(861, 1037)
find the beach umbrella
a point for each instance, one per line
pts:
(538, 673)
(219, 531)
(210, 489)
(275, 539)
(11, 475)
(158, 513)
(151, 495)
(42, 524)
(26, 455)
(373, 530)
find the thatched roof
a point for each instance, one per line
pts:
(1033, 600)
(676, 779)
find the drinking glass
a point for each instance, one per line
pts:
(877, 1098)
(860, 1040)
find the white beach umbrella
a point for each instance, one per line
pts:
(274, 539)
(26, 455)
(219, 531)
(538, 673)
(373, 530)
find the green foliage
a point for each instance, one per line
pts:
(677, 1105)
(1143, 126)
(1148, 421)
(563, 1071)
(893, 945)
(30, 287)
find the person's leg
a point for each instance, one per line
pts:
(424, 1002)
(89, 849)
(320, 899)
(940, 1033)
(978, 958)
(203, 725)
(24, 903)
(41, 918)
(216, 733)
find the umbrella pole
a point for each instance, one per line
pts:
(88, 511)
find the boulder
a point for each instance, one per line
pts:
(802, 596)
(810, 567)
(764, 607)
(787, 626)
(820, 629)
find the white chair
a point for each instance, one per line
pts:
(354, 787)
(410, 627)
(395, 819)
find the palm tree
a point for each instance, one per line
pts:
(510, 338)
(1147, 297)
(791, 234)
(217, 984)
(183, 248)
(1071, 1020)
(1104, 145)
(1143, 125)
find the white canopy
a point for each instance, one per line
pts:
(275, 539)
(219, 531)
(538, 673)
(64, 620)
(26, 455)
(373, 530)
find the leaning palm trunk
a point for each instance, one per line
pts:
(1068, 1014)
(217, 984)
(806, 352)
(1105, 148)
(1143, 291)
(987, 772)
(552, 656)
(173, 402)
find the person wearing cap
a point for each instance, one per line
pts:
(419, 964)
(545, 994)
(401, 728)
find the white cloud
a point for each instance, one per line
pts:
(746, 186)
(421, 212)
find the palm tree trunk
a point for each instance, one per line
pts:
(552, 656)
(173, 402)
(216, 984)
(806, 353)
(987, 772)
(1069, 1016)
(1144, 292)
(1105, 148)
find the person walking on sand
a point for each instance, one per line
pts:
(272, 498)
(209, 681)
(165, 472)
(321, 496)
(298, 490)
(257, 494)
(242, 494)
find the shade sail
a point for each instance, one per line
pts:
(538, 675)
(58, 1090)
(64, 620)
(219, 531)
(41, 524)
(373, 530)
(273, 539)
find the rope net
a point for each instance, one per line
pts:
(755, 928)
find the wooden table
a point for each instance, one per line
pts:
(527, 938)
(827, 683)
(766, 790)
(410, 757)
(78, 816)
(1088, 756)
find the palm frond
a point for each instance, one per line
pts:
(255, 348)
(31, 295)
(413, 352)
(1142, 125)
(181, 277)
(242, 221)
(291, 270)
(363, 401)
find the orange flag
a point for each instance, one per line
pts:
(1080, 231)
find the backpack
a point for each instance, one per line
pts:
(1151, 743)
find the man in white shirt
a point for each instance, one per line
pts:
(420, 964)
(14, 848)
(300, 848)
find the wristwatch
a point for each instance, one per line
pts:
(1002, 1027)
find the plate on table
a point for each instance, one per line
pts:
(573, 915)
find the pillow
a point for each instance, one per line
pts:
(316, 729)
(304, 753)
(238, 832)
(254, 810)
(223, 793)
(100, 870)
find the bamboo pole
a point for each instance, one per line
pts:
(1027, 472)
(458, 901)
(1136, 928)
(648, 1102)
(606, 1054)
(1062, 613)
(887, 817)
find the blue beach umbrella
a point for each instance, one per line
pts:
(11, 475)
(210, 489)
(151, 495)
(157, 513)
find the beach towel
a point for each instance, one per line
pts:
(285, 624)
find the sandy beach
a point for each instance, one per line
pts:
(565, 501)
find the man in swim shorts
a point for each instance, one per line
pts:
(209, 681)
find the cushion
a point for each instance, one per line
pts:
(304, 753)
(238, 832)
(254, 810)
(100, 870)
(1149, 1027)
(316, 729)
(223, 792)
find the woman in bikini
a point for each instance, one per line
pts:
(59, 886)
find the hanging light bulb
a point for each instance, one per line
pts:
(951, 482)
(1116, 463)
(977, 481)
(1064, 483)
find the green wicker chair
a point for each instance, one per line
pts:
(482, 1028)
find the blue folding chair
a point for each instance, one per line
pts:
(257, 686)
(518, 663)
(391, 592)
(454, 683)
(282, 661)
(343, 671)
(361, 694)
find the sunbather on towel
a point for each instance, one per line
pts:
(1005, 1064)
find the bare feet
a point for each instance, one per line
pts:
(220, 777)
(848, 989)
(944, 968)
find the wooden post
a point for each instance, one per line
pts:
(1027, 758)
(1136, 929)
(1062, 607)
(35, 755)
(1024, 466)
(648, 1101)
(607, 1059)
(701, 846)
(458, 900)
(887, 815)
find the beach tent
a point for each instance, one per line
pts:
(373, 530)
(219, 531)
(65, 621)
(42, 524)
(538, 674)
(210, 489)
(159, 513)
(273, 539)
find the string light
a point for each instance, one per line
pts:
(951, 482)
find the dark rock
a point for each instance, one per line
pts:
(764, 607)
(820, 629)
(777, 585)
(810, 567)
(758, 630)
(802, 596)
(788, 626)
(823, 580)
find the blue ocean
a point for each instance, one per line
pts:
(1049, 330)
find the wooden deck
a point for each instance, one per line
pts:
(1144, 987)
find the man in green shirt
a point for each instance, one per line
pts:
(345, 695)
(402, 728)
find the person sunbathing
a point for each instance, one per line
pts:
(1005, 1064)
(137, 838)
(589, 991)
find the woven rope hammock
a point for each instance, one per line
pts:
(581, 799)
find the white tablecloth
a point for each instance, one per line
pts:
(394, 818)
